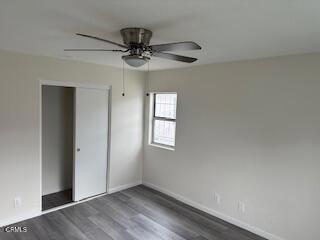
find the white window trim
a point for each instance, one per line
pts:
(151, 122)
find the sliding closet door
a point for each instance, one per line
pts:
(91, 136)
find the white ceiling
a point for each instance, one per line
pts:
(228, 30)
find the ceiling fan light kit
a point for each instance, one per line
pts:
(136, 42)
(135, 60)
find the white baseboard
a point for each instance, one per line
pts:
(16, 219)
(215, 213)
(123, 187)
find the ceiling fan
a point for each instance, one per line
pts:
(136, 43)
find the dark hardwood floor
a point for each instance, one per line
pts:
(56, 199)
(138, 213)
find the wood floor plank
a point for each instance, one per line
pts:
(111, 227)
(138, 213)
(156, 228)
(142, 233)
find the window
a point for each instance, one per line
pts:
(164, 119)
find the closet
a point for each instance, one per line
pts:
(74, 144)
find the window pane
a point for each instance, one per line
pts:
(165, 105)
(164, 132)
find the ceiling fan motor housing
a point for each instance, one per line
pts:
(136, 37)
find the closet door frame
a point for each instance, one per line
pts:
(107, 88)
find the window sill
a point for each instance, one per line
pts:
(162, 146)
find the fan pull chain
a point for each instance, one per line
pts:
(123, 86)
(148, 82)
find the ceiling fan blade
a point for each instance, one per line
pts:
(101, 39)
(94, 50)
(179, 46)
(174, 57)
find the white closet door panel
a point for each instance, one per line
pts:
(91, 135)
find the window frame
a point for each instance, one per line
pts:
(153, 118)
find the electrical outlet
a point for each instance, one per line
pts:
(217, 198)
(241, 207)
(17, 202)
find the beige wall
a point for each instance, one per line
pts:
(249, 131)
(20, 125)
(57, 138)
